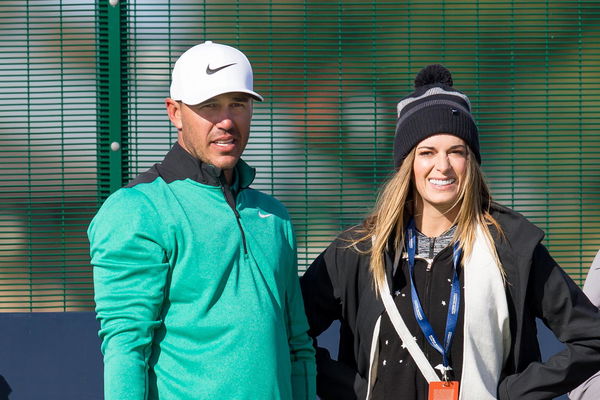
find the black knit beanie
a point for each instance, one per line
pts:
(434, 107)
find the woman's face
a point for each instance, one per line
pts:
(439, 169)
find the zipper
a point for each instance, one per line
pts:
(426, 307)
(431, 247)
(231, 201)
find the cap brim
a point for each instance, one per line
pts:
(192, 100)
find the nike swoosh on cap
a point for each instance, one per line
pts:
(210, 71)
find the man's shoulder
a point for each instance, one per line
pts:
(148, 176)
(141, 200)
(125, 209)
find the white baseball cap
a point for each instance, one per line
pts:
(208, 70)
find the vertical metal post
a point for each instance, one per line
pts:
(114, 95)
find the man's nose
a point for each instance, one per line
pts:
(224, 120)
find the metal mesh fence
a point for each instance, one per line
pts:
(76, 77)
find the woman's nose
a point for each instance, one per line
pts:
(442, 162)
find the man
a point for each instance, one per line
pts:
(195, 274)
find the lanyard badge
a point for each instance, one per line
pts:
(445, 388)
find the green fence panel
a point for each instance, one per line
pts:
(82, 112)
(48, 186)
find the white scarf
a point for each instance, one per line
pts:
(486, 342)
(486, 337)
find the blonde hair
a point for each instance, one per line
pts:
(395, 206)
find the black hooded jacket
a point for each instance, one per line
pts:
(338, 286)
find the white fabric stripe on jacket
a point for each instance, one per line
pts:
(486, 331)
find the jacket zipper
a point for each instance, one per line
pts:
(431, 250)
(231, 201)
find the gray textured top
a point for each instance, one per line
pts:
(429, 247)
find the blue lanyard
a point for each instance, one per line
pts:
(453, 306)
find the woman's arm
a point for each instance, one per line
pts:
(322, 301)
(562, 306)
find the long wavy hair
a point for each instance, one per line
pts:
(395, 206)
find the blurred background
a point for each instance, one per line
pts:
(77, 76)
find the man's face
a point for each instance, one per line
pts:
(215, 131)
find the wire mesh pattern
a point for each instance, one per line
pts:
(47, 153)
(76, 77)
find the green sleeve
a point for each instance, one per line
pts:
(302, 352)
(130, 273)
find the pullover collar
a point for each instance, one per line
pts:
(178, 164)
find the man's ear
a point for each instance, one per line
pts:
(174, 112)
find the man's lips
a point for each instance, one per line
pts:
(224, 141)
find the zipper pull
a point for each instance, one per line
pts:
(429, 264)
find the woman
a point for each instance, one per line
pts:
(438, 289)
